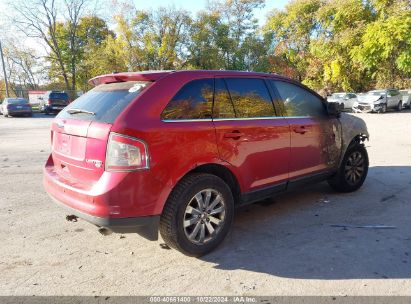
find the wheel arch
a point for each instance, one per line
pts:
(218, 170)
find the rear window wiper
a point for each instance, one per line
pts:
(76, 111)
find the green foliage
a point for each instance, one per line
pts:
(349, 45)
(345, 45)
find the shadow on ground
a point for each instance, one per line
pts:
(292, 236)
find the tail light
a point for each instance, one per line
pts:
(49, 102)
(125, 153)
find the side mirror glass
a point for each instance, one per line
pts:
(334, 109)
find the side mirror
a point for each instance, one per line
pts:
(334, 109)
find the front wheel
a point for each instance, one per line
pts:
(352, 171)
(399, 106)
(198, 214)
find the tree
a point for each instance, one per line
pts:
(23, 66)
(41, 19)
(385, 48)
(91, 33)
(154, 39)
(289, 33)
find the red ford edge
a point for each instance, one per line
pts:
(177, 151)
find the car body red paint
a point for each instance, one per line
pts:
(259, 153)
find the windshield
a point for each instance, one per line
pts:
(17, 101)
(105, 102)
(338, 95)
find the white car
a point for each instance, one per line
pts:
(406, 98)
(346, 100)
(379, 101)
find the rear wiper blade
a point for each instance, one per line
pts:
(75, 111)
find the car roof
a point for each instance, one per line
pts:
(155, 75)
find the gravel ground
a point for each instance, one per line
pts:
(283, 247)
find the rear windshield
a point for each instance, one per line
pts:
(17, 101)
(55, 95)
(105, 102)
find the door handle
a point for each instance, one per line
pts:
(300, 129)
(234, 134)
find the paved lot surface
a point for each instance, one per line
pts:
(283, 247)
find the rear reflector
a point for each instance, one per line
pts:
(125, 153)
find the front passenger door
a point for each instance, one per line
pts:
(315, 137)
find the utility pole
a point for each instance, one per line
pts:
(4, 71)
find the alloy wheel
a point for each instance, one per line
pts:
(354, 168)
(204, 216)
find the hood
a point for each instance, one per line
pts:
(368, 98)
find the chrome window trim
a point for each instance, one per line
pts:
(248, 118)
(233, 118)
(187, 120)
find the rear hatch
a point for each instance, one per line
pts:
(60, 99)
(80, 132)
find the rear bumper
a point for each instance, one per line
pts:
(146, 226)
(19, 112)
(51, 108)
(109, 203)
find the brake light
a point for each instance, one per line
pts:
(49, 102)
(125, 153)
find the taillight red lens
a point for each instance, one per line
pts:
(49, 102)
(125, 153)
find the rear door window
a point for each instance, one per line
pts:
(250, 97)
(223, 106)
(105, 102)
(193, 101)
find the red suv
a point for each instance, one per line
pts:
(177, 151)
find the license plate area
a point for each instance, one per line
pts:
(70, 146)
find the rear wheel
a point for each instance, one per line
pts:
(198, 214)
(353, 169)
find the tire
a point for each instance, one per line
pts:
(383, 109)
(343, 180)
(399, 106)
(181, 225)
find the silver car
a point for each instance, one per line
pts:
(346, 100)
(406, 98)
(379, 101)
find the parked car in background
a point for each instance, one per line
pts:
(379, 101)
(53, 102)
(406, 98)
(177, 151)
(346, 100)
(16, 107)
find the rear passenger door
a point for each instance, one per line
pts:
(315, 137)
(250, 136)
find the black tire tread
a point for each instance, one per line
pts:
(337, 182)
(167, 228)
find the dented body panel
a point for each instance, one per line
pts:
(352, 127)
